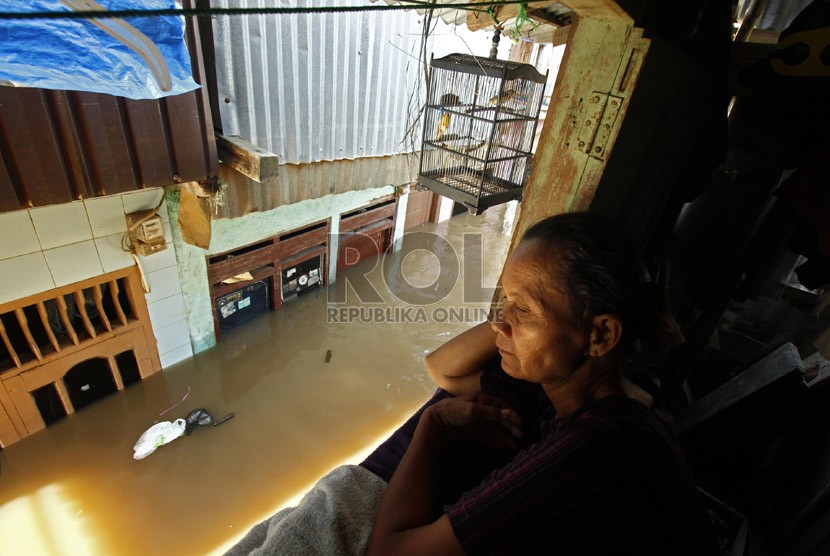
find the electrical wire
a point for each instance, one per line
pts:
(209, 12)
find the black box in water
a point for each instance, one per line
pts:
(240, 306)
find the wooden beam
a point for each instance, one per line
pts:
(601, 65)
(479, 20)
(599, 9)
(247, 159)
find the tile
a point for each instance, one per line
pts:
(111, 255)
(106, 216)
(163, 283)
(173, 357)
(60, 225)
(143, 200)
(73, 263)
(17, 234)
(172, 336)
(166, 311)
(23, 276)
(159, 260)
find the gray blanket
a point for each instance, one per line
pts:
(334, 518)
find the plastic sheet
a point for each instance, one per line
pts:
(138, 58)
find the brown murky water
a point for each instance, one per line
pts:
(74, 488)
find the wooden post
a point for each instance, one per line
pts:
(603, 56)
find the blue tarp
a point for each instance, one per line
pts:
(79, 55)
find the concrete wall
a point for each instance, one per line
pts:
(48, 247)
(231, 233)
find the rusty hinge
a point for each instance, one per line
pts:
(597, 124)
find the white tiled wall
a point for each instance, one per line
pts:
(47, 247)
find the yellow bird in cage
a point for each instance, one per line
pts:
(443, 124)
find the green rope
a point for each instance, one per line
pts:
(196, 12)
(521, 20)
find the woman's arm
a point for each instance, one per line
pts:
(456, 366)
(405, 523)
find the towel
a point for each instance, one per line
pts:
(334, 518)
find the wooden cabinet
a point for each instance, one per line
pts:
(365, 233)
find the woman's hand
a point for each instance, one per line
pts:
(478, 417)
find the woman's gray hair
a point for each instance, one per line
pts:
(601, 272)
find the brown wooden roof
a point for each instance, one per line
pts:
(59, 146)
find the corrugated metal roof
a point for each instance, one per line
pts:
(312, 87)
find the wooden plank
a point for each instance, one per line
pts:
(111, 167)
(153, 162)
(247, 159)
(287, 247)
(219, 290)
(8, 344)
(369, 230)
(24, 326)
(63, 394)
(600, 9)
(117, 302)
(99, 304)
(238, 264)
(80, 306)
(62, 310)
(31, 151)
(183, 125)
(596, 60)
(138, 303)
(302, 256)
(8, 194)
(69, 350)
(362, 219)
(9, 306)
(116, 373)
(11, 427)
(68, 131)
(25, 404)
(11, 411)
(44, 318)
(200, 48)
(418, 208)
(758, 377)
(478, 20)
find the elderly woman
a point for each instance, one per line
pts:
(578, 466)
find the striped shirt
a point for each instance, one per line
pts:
(608, 479)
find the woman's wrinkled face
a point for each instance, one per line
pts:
(537, 340)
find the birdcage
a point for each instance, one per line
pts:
(479, 125)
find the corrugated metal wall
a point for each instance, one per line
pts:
(315, 87)
(299, 182)
(59, 146)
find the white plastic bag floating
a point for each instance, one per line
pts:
(158, 435)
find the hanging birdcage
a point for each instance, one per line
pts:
(479, 124)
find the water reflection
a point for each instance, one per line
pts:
(74, 487)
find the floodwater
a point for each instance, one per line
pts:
(74, 488)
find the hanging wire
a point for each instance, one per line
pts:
(208, 12)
